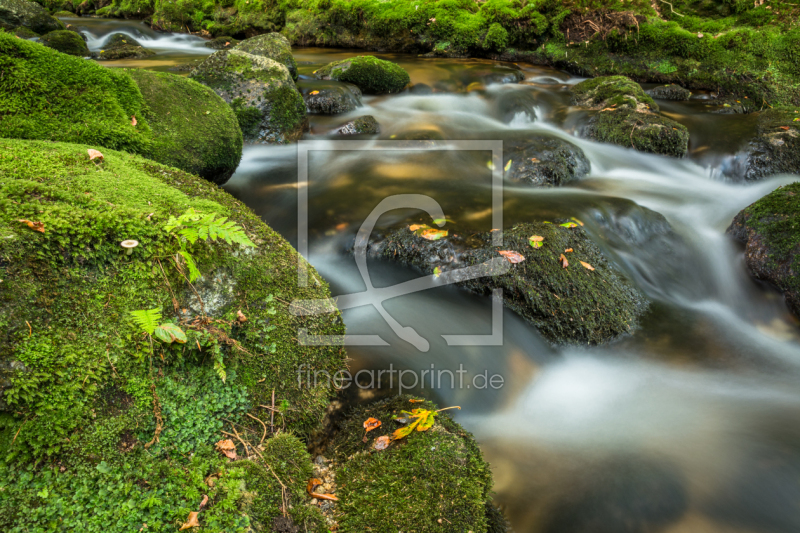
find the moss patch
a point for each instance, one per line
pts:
(608, 91)
(121, 46)
(776, 147)
(67, 42)
(30, 15)
(274, 46)
(368, 73)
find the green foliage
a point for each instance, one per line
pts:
(193, 226)
(496, 38)
(147, 319)
(169, 333)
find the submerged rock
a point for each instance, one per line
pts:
(572, 305)
(67, 42)
(624, 115)
(368, 73)
(543, 160)
(776, 147)
(260, 91)
(272, 45)
(361, 126)
(121, 46)
(30, 15)
(769, 230)
(491, 74)
(221, 43)
(513, 103)
(329, 97)
(670, 92)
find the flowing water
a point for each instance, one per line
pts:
(691, 424)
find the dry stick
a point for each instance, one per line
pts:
(272, 414)
(202, 307)
(174, 300)
(672, 9)
(263, 425)
(157, 414)
(239, 439)
(283, 487)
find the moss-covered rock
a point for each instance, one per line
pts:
(25, 33)
(67, 42)
(274, 46)
(329, 97)
(624, 115)
(121, 46)
(439, 475)
(776, 146)
(15, 13)
(368, 73)
(543, 160)
(366, 125)
(221, 43)
(670, 92)
(63, 14)
(769, 230)
(193, 128)
(261, 93)
(572, 305)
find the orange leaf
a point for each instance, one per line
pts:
(227, 448)
(37, 226)
(191, 522)
(381, 443)
(512, 256)
(412, 400)
(312, 93)
(227, 43)
(785, 128)
(587, 266)
(204, 502)
(415, 227)
(313, 483)
(94, 154)
(133, 120)
(567, 250)
(371, 423)
(564, 262)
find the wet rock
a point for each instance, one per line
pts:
(670, 92)
(543, 160)
(513, 103)
(491, 74)
(60, 14)
(273, 46)
(768, 229)
(368, 73)
(329, 97)
(25, 33)
(261, 92)
(67, 42)
(573, 305)
(366, 125)
(776, 147)
(121, 46)
(30, 15)
(420, 89)
(221, 43)
(624, 115)
(186, 67)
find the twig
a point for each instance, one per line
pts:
(237, 437)
(672, 9)
(157, 414)
(263, 425)
(30, 329)
(202, 307)
(174, 300)
(272, 414)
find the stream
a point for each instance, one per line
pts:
(690, 425)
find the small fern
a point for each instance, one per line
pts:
(193, 226)
(194, 273)
(147, 319)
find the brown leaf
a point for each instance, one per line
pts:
(191, 521)
(240, 316)
(512, 256)
(37, 226)
(313, 483)
(785, 128)
(94, 154)
(227, 447)
(414, 400)
(587, 266)
(381, 443)
(564, 262)
(312, 93)
(568, 250)
(371, 423)
(204, 502)
(133, 120)
(227, 43)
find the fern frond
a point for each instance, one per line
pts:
(194, 273)
(147, 319)
(194, 226)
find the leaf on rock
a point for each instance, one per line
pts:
(414, 400)
(421, 420)
(371, 423)
(94, 154)
(381, 443)
(512, 256)
(170, 333)
(191, 521)
(427, 232)
(577, 221)
(536, 241)
(227, 447)
(785, 128)
(568, 250)
(587, 266)
(312, 93)
(437, 272)
(568, 225)
(133, 120)
(564, 263)
(36, 226)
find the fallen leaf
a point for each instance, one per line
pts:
(191, 522)
(437, 272)
(568, 225)
(313, 483)
(508, 165)
(785, 128)
(37, 226)
(381, 443)
(312, 93)
(133, 120)
(576, 220)
(227, 448)
(534, 160)
(170, 333)
(431, 234)
(422, 420)
(512, 256)
(204, 502)
(227, 43)
(536, 241)
(564, 262)
(587, 266)
(414, 400)
(240, 316)
(371, 423)
(568, 250)
(608, 109)
(415, 227)
(94, 154)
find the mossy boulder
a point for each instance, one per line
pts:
(543, 160)
(193, 128)
(272, 45)
(25, 33)
(121, 46)
(670, 92)
(572, 305)
(434, 480)
(67, 42)
(30, 15)
(64, 14)
(366, 125)
(221, 43)
(368, 73)
(260, 91)
(329, 97)
(624, 115)
(768, 229)
(776, 147)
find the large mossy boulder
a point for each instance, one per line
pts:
(193, 128)
(272, 45)
(769, 230)
(30, 15)
(67, 42)
(260, 91)
(121, 46)
(624, 115)
(434, 480)
(775, 148)
(329, 97)
(368, 73)
(571, 304)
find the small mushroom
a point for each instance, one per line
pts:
(129, 245)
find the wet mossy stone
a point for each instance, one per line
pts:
(776, 146)
(572, 305)
(52, 96)
(366, 125)
(121, 46)
(261, 92)
(513, 103)
(329, 97)
(438, 474)
(221, 43)
(368, 73)
(193, 129)
(15, 13)
(491, 74)
(272, 45)
(608, 91)
(64, 14)
(769, 230)
(67, 42)
(76, 286)
(670, 92)
(543, 160)
(25, 33)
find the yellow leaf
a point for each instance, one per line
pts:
(37, 226)
(191, 521)
(312, 93)
(587, 266)
(563, 260)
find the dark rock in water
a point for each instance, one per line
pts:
(670, 92)
(121, 46)
(769, 230)
(572, 305)
(67, 42)
(511, 103)
(491, 74)
(730, 105)
(368, 73)
(30, 15)
(543, 160)
(624, 115)
(329, 97)
(420, 89)
(776, 147)
(273, 46)
(361, 126)
(221, 43)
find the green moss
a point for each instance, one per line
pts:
(30, 15)
(63, 14)
(368, 73)
(67, 42)
(25, 33)
(193, 128)
(608, 91)
(776, 146)
(249, 119)
(646, 132)
(271, 45)
(496, 38)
